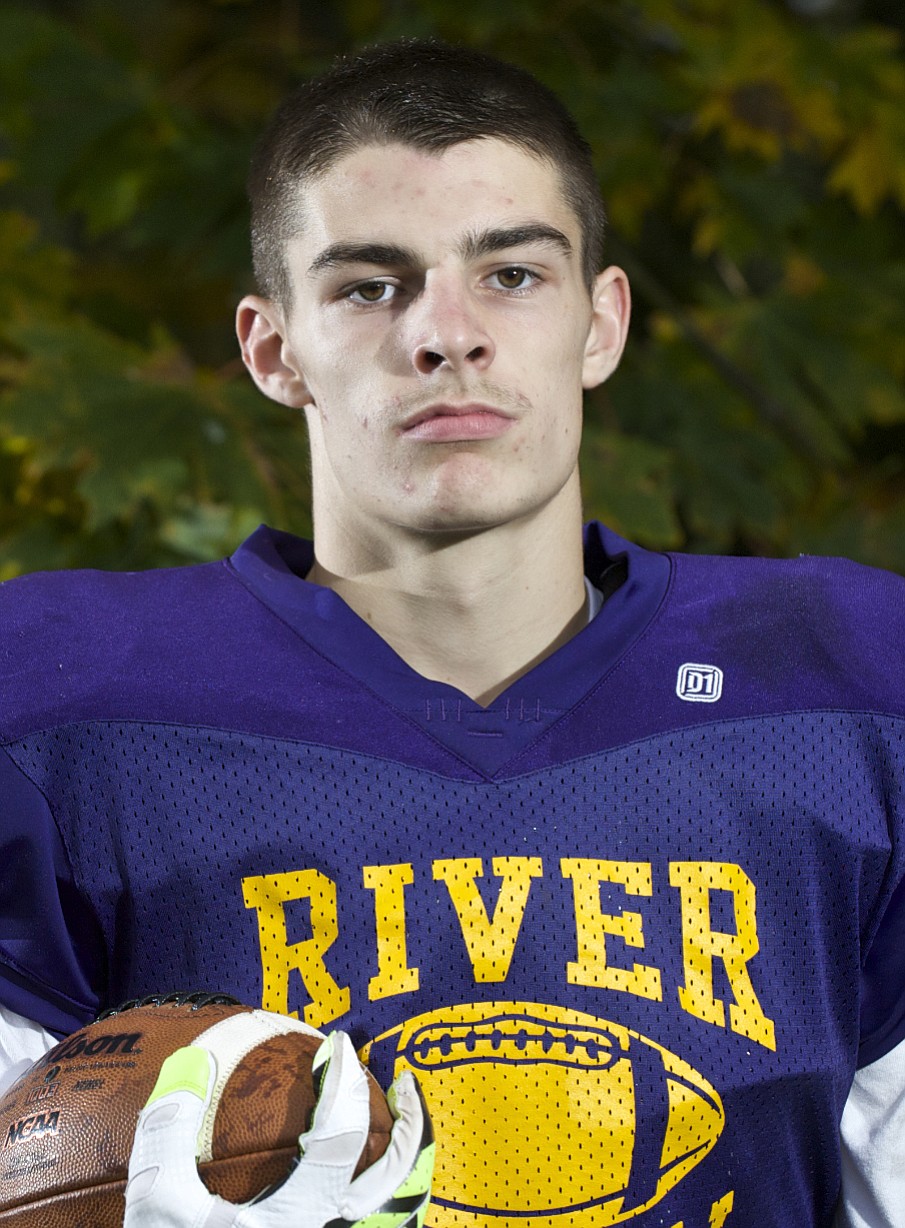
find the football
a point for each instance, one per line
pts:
(67, 1124)
(547, 1116)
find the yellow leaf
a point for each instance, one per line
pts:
(708, 235)
(802, 275)
(664, 327)
(818, 115)
(885, 404)
(15, 445)
(865, 172)
(744, 128)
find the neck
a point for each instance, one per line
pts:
(475, 611)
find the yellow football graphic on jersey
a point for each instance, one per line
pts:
(546, 1116)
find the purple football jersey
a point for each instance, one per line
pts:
(633, 925)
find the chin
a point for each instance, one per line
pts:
(465, 520)
(468, 498)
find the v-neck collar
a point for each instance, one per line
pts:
(272, 564)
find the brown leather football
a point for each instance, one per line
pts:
(66, 1126)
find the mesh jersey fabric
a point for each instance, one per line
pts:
(633, 926)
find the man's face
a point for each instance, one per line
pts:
(439, 337)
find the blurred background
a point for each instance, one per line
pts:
(752, 157)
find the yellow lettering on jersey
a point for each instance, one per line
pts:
(701, 945)
(393, 973)
(719, 1212)
(269, 894)
(490, 944)
(592, 925)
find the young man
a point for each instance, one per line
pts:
(605, 846)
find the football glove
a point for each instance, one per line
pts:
(165, 1191)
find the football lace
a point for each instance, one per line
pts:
(196, 999)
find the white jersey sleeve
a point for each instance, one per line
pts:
(873, 1146)
(21, 1043)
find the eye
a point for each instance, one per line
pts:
(513, 278)
(372, 292)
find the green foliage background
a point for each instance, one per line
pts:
(752, 154)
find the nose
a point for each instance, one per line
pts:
(449, 330)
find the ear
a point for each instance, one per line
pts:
(261, 329)
(611, 301)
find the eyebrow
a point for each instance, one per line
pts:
(473, 246)
(486, 242)
(338, 254)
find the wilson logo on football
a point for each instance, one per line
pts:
(699, 684)
(106, 1045)
(587, 1120)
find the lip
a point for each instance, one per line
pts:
(446, 423)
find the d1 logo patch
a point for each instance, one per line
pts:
(546, 1117)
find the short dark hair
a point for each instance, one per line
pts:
(421, 93)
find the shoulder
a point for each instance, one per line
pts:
(809, 592)
(84, 642)
(806, 598)
(27, 594)
(829, 626)
(68, 609)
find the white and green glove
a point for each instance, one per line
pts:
(165, 1190)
